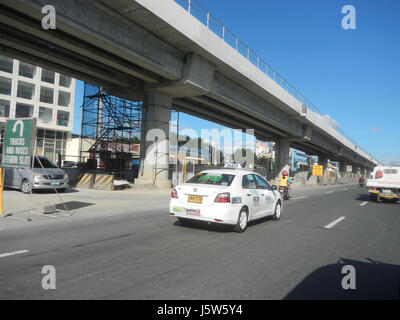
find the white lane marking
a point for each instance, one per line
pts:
(298, 198)
(364, 203)
(330, 192)
(334, 223)
(13, 253)
(345, 189)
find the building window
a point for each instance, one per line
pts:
(46, 95)
(65, 81)
(45, 115)
(23, 111)
(27, 70)
(5, 86)
(6, 64)
(25, 90)
(4, 108)
(63, 118)
(48, 76)
(50, 143)
(64, 98)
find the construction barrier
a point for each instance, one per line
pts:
(104, 182)
(86, 181)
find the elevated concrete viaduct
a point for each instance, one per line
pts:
(158, 52)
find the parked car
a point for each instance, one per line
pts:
(384, 183)
(44, 175)
(223, 196)
(74, 164)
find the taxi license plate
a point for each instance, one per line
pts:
(56, 183)
(193, 212)
(195, 199)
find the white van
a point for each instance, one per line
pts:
(384, 183)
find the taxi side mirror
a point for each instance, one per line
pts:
(274, 188)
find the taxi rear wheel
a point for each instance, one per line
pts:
(241, 225)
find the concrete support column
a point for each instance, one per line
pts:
(154, 149)
(282, 148)
(323, 161)
(343, 172)
(343, 168)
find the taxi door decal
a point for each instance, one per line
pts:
(256, 197)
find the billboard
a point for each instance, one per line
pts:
(318, 171)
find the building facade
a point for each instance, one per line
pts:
(27, 91)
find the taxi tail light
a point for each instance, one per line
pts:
(223, 198)
(174, 194)
(379, 174)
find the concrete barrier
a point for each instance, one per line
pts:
(104, 182)
(86, 181)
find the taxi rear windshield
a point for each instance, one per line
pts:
(212, 179)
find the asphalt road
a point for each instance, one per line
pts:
(143, 253)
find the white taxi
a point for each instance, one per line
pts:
(225, 196)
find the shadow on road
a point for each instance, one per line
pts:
(374, 280)
(69, 190)
(215, 227)
(200, 225)
(44, 191)
(73, 205)
(363, 197)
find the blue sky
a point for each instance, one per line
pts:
(79, 92)
(352, 75)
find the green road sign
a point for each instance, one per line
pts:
(19, 137)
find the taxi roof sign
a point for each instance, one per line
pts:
(233, 166)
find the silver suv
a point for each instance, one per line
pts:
(44, 175)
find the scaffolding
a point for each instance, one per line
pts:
(111, 129)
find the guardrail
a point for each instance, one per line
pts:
(213, 24)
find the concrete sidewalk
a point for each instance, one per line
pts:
(90, 203)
